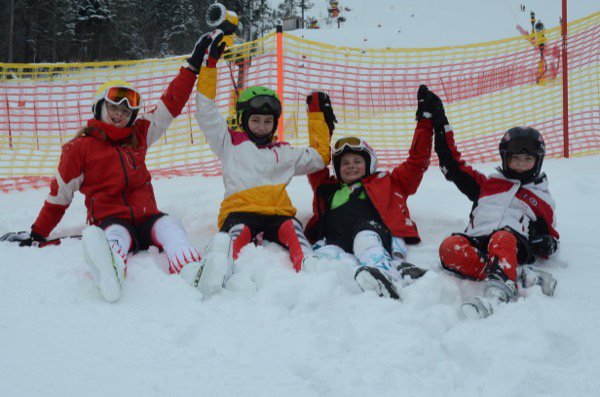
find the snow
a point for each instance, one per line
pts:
(434, 23)
(273, 332)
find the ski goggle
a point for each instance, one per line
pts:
(118, 95)
(262, 103)
(350, 142)
(524, 145)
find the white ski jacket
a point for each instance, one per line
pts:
(498, 202)
(254, 176)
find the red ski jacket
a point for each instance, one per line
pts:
(387, 191)
(112, 175)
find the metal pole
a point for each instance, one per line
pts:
(565, 81)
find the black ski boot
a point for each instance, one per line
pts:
(408, 270)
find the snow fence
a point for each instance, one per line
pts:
(486, 88)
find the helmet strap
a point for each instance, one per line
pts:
(258, 140)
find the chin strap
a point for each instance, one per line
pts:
(260, 140)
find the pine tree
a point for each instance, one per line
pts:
(92, 28)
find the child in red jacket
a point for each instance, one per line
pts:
(363, 212)
(106, 162)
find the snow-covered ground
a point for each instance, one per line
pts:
(273, 332)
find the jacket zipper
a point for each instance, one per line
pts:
(123, 165)
(131, 157)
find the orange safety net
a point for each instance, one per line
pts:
(486, 88)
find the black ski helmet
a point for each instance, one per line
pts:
(522, 140)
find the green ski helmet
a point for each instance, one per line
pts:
(257, 100)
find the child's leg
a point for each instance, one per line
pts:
(240, 236)
(502, 251)
(242, 227)
(458, 255)
(370, 251)
(375, 272)
(290, 235)
(168, 233)
(333, 252)
(105, 251)
(500, 284)
(120, 240)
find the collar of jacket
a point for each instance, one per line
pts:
(115, 134)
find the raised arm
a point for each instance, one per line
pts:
(453, 167)
(212, 124)
(170, 105)
(409, 174)
(321, 123)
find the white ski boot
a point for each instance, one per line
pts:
(189, 272)
(107, 268)
(216, 266)
(476, 307)
(530, 276)
(497, 290)
(374, 279)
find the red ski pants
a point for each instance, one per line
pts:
(459, 255)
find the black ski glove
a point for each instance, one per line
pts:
(25, 239)
(320, 102)
(430, 106)
(216, 50)
(199, 52)
(544, 245)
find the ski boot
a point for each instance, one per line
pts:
(498, 288)
(476, 307)
(216, 266)
(375, 279)
(107, 268)
(530, 276)
(410, 271)
(498, 285)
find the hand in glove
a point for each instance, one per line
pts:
(195, 61)
(209, 43)
(25, 239)
(216, 49)
(430, 106)
(544, 245)
(320, 102)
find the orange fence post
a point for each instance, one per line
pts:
(280, 125)
(565, 82)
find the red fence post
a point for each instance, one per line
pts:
(565, 82)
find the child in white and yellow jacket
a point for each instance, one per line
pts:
(256, 170)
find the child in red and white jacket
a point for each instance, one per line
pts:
(512, 221)
(106, 162)
(362, 213)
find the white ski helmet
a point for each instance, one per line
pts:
(352, 144)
